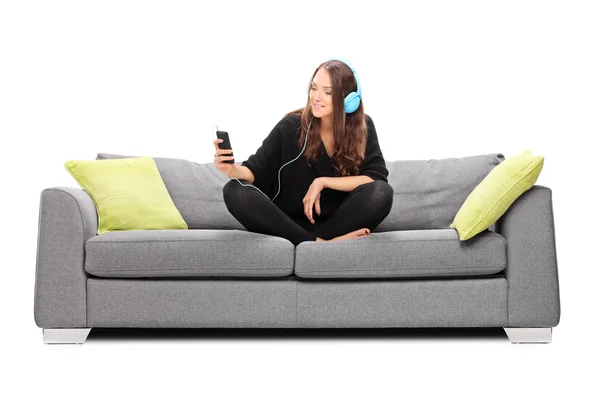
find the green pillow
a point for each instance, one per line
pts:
(129, 194)
(498, 190)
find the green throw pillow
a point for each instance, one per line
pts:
(498, 190)
(129, 194)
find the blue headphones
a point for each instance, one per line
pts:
(352, 100)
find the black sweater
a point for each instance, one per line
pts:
(281, 146)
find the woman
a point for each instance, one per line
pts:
(338, 190)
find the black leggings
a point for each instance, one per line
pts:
(364, 207)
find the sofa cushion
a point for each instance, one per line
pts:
(422, 253)
(129, 194)
(496, 193)
(190, 253)
(429, 193)
(196, 190)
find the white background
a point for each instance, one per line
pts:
(440, 79)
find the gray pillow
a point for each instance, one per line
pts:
(429, 193)
(196, 190)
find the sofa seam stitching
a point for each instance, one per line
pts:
(181, 269)
(254, 242)
(174, 241)
(404, 269)
(404, 241)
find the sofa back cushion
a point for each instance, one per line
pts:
(429, 193)
(196, 190)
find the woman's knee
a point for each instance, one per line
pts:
(382, 194)
(236, 193)
(232, 192)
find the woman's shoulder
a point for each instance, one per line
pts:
(289, 124)
(291, 119)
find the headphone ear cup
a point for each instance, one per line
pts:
(351, 102)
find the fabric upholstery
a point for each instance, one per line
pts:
(67, 219)
(429, 193)
(425, 253)
(532, 269)
(202, 303)
(296, 303)
(402, 303)
(188, 253)
(196, 190)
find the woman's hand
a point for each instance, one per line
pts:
(311, 198)
(220, 157)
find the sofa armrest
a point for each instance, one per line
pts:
(67, 219)
(532, 269)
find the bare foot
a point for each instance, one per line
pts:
(352, 235)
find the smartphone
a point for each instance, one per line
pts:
(225, 144)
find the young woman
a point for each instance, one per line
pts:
(320, 174)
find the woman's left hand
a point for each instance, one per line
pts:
(311, 198)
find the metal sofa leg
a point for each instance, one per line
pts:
(529, 335)
(66, 336)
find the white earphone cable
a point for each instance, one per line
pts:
(279, 172)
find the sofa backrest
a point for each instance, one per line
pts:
(196, 190)
(427, 193)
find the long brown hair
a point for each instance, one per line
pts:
(349, 130)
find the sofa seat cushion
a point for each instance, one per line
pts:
(414, 254)
(188, 253)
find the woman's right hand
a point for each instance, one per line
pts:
(220, 157)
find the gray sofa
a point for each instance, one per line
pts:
(412, 271)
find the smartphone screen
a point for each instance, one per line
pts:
(225, 144)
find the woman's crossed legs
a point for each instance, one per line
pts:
(364, 208)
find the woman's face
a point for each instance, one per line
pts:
(320, 98)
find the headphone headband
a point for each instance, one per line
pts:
(352, 100)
